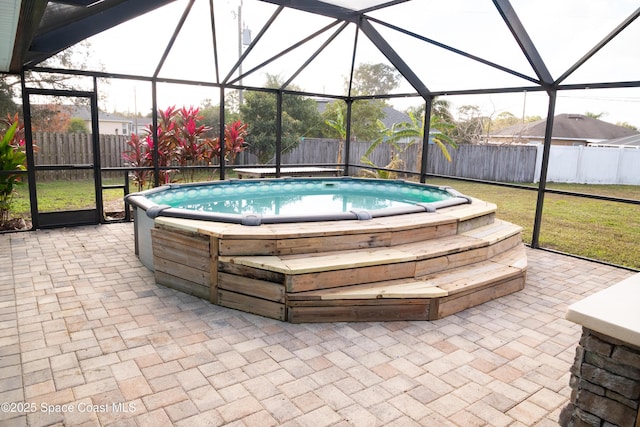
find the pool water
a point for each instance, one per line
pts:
(299, 196)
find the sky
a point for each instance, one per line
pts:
(563, 32)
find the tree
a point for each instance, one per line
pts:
(7, 106)
(211, 117)
(597, 116)
(77, 125)
(374, 79)
(412, 132)
(50, 118)
(368, 79)
(470, 125)
(626, 125)
(504, 120)
(300, 118)
(439, 107)
(211, 114)
(364, 116)
(75, 57)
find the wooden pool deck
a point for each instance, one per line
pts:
(408, 267)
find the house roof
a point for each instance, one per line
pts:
(626, 141)
(569, 126)
(83, 112)
(391, 115)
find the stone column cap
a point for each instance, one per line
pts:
(614, 311)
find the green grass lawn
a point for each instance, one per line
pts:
(606, 231)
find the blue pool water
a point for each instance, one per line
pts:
(259, 201)
(299, 196)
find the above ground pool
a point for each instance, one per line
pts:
(285, 200)
(328, 249)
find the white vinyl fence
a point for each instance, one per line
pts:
(591, 165)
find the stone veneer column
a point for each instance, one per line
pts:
(605, 379)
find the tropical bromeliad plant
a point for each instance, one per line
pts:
(138, 156)
(234, 142)
(189, 145)
(181, 142)
(11, 159)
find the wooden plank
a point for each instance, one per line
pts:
(257, 288)
(492, 233)
(400, 289)
(412, 289)
(332, 243)
(505, 246)
(515, 257)
(421, 234)
(231, 247)
(337, 278)
(442, 246)
(473, 276)
(180, 270)
(472, 222)
(317, 294)
(449, 305)
(345, 260)
(269, 263)
(476, 209)
(358, 313)
(250, 304)
(213, 268)
(250, 272)
(354, 302)
(182, 285)
(339, 260)
(432, 266)
(181, 239)
(199, 261)
(348, 227)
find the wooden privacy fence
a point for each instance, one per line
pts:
(55, 148)
(487, 162)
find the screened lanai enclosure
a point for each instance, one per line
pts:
(406, 89)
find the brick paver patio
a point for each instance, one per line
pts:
(88, 338)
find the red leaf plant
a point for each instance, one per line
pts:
(234, 142)
(180, 142)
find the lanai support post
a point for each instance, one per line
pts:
(535, 239)
(425, 138)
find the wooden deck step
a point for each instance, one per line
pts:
(446, 283)
(342, 260)
(399, 288)
(427, 298)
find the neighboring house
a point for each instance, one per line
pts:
(111, 124)
(632, 141)
(568, 129)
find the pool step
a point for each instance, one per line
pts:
(428, 298)
(410, 267)
(420, 280)
(342, 268)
